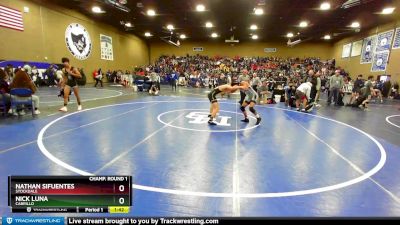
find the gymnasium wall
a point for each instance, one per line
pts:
(352, 64)
(44, 36)
(218, 47)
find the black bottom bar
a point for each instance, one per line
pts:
(210, 221)
(59, 209)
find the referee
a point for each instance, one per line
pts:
(243, 77)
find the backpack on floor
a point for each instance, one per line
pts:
(81, 81)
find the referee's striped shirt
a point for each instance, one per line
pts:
(347, 88)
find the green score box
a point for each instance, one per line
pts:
(69, 200)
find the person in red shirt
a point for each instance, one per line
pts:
(98, 76)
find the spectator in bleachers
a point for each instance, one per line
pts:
(205, 71)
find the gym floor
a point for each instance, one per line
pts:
(335, 161)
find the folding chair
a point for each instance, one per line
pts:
(22, 92)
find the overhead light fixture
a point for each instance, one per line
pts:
(97, 9)
(303, 24)
(325, 6)
(388, 10)
(351, 3)
(327, 37)
(289, 35)
(147, 34)
(209, 25)
(254, 37)
(182, 36)
(151, 12)
(253, 27)
(258, 11)
(200, 8)
(128, 24)
(355, 25)
(170, 27)
(214, 35)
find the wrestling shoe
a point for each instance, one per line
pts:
(63, 109)
(258, 121)
(246, 120)
(212, 122)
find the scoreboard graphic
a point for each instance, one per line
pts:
(74, 194)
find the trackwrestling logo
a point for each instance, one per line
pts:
(33, 220)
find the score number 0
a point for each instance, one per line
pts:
(121, 200)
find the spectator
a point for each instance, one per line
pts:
(109, 75)
(10, 71)
(367, 92)
(335, 84)
(98, 76)
(5, 89)
(318, 87)
(27, 68)
(255, 82)
(51, 75)
(174, 80)
(22, 80)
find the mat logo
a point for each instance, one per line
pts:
(9, 220)
(202, 118)
(78, 41)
